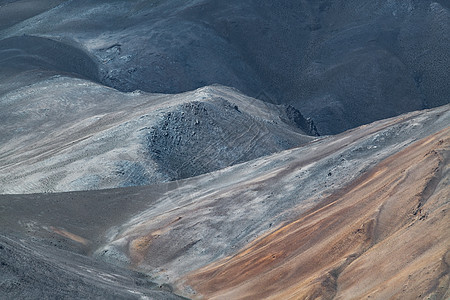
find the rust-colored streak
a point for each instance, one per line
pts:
(70, 235)
(386, 236)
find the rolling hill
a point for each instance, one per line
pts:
(206, 149)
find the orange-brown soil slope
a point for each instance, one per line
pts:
(384, 236)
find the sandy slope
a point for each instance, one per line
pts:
(384, 236)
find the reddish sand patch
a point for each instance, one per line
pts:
(385, 236)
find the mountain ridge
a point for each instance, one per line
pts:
(224, 150)
(341, 64)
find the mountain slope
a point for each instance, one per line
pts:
(313, 220)
(342, 63)
(30, 270)
(68, 141)
(129, 170)
(383, 236)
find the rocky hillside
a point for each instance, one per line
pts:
(78, 135)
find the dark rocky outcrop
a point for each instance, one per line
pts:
(294, 116)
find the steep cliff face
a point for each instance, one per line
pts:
(342, 63)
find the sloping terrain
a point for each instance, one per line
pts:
(54, 137)
(15, 11)
(384, 236)
(168, 148)
(30, 270)
(342, 63)
(363, 213)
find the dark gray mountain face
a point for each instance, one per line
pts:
(342, 63)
